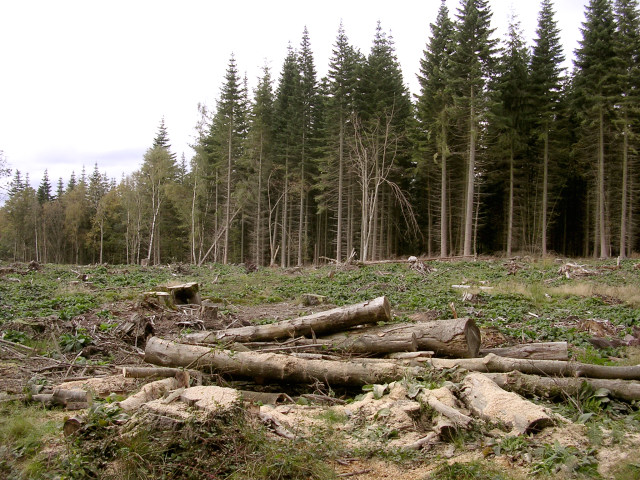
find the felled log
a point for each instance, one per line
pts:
(154, 390)
(488, 401)
(458, 337)
(553, 387)
(146, 372)
(536, 351)
(273, 366)
(337, 319)
(554, 368)
(69, 399)
(365, 343)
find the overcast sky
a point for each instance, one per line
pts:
(88, 81)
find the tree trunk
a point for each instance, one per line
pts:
(553, 387)
(154, 390)
(272, 366)
(623, 193)
(537, 351)
(468, 214)
(545, 191)
(494, 363)
(458, 337)
(337, 319)
(488, 401)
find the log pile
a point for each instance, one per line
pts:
(359, 345)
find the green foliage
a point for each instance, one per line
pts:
(568, 460)
(74, 342)
(468, 471)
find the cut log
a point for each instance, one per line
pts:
(536, 351)
(557, 368)
(488, 401)
(69, 399)
(154, 390)
(337, 319)
(458, 337)
(146, 372)
(273, 366)
(554, 387)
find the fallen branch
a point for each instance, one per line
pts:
(536, 351)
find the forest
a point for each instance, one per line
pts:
(502, 152)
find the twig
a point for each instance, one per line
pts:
(358, 472)
(72, 364)
(17, 345)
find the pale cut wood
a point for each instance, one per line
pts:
(273, 366)
(557, 368)
(488, 401)
(145, 372)
(337, 319)
(154, 390)
(553, 387)
(443, 401)
(535, 351)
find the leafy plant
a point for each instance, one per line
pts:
(74, 342)
(568, 459)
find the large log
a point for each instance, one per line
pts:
(273, 366)
(554, 368)
(553, 387)
(488, 401)
(337, 319)
(154, 390)
(458, 337)
(444, 402)
(535, 351)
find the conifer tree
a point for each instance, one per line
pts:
(546, 89)
(44, 189)
(594, 88)
(433, 109)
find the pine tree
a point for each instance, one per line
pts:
(433, 109)
(472, 62)
(594, 89)
(627, 47)
(343, 66)
(44, 189)
(510, 124)
(546, 88)
(162, 139)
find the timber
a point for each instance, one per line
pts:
(273, 366)
(488, 401)
(554, 368)
(443, 401)
(337, 319)
(155, 390)
(554, 387)
(535, 351)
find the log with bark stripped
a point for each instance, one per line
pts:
(335, 320)
(535, 351)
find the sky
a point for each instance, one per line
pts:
(88, 81)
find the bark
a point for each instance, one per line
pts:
(496, 364)
(337, 319)
(272, 366)
(552, 387)
(488, 401)
(75, 399)
(459, 337)
(537, 351)
(146, 372)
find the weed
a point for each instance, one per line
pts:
(74, 342)
(468, 471)
(556, 458)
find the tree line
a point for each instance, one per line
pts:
(502, 152)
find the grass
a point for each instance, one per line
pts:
(468, 471)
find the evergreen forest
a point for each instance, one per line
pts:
(503, 151)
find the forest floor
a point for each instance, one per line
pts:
(62, 323)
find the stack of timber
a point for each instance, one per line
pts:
(359, 345)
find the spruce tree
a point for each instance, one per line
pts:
(433, 109)
(627, 48)
(44, 189)
(546, 89)
(594, 88)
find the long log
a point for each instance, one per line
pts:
(553, 387)
(535, 351)
(458, 337)
(488, 401)
(553, 368)
(337, 319)
(273, 366)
